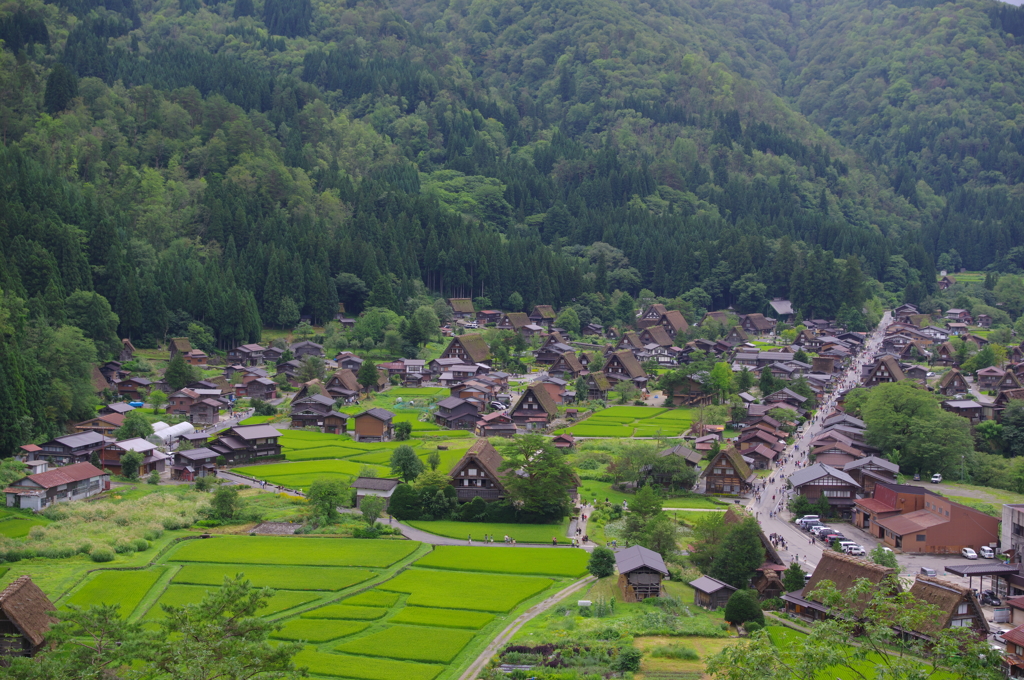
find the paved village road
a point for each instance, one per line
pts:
(506, 635)
(769, 505)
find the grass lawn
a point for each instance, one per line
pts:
(345, 611)
(479, 592)
(294, 578)
(413, 643)
(417, 391)
(310, 630)
(256, 420)
(689, 517)
(532, 561)
(125, 588)
(347, 552)
(178, 596)
(364, 668)
(985, 494)
(522, 533)
(451, 618)
(590, 489)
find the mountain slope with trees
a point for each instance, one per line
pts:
(230, 164)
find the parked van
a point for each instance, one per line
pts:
(927, 571)
(807, 518)
(986, 552)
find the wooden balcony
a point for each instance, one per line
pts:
(471, 492)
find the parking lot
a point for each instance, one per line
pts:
(911, 564)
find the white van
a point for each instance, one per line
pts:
(807, 518)
(986, 552)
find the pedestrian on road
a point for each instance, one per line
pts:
(471, 539)
(554, 541)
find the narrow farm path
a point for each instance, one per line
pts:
(510, 630)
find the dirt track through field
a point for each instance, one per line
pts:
(510, 630)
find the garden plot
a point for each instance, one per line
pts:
(364, 668)
(315, 630)
(466, 590)
(346, 611)
(291, 578)
(587, 430)
(179, 595)
(526, 561)
(446, 618)
(410, 643)
(125, 588)
(348, 552)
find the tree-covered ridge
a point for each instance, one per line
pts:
(238, 164)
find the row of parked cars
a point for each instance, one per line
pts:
(813, 525)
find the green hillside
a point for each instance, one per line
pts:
(229, 166)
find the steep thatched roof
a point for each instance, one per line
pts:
(844, 570)
(476, 347)
(28, 608)
(947, 597)
(949, 376)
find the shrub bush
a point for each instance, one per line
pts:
(365, 532)
(675, 652)
(140, 544)
(772, 604)
(85, 548)
(123, 546)
(102, 555)
(58, 552)
(628, 660)
(752, 627)
(153, 533)
(37, 533)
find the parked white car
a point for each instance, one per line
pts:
(987, 552)
(969, 554)
(936, 478)
(856, 550)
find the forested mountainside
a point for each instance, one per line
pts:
(239, 163)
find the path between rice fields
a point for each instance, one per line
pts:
(504, 636)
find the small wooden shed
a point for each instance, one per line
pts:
(710, 593)
(640, 573)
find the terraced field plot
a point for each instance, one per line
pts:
(479, 592)
(373, 598)
(349, 552)
(633, 421)
(18, 527)
(317, 630)
(179, 595)
(447, 618)
(522, 533)
(125, 588)
(300, 475)
(530, 561)
(364, 668)
(293, 578)
(346, 611)
(412, 643)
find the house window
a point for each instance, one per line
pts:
(962, 609)
(472, 472)
(919, 537)
(961, 623)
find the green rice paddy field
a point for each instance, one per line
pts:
(633, 421)
(363, 609)
(522, 533)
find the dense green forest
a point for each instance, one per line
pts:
(239, 163)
